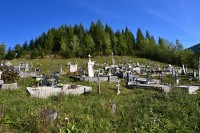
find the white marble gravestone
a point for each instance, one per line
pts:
(90, 67)
(26, 67)
(73, 68)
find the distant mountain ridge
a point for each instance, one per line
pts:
(195, 47)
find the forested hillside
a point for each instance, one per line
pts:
(77, 41)
(196, 48)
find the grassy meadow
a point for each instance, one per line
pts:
(137, 110)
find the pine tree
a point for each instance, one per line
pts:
(2, 50)
(140, 40)
(10, 54)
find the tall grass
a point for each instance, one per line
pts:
(137, 110)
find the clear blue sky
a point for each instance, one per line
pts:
(23, 20)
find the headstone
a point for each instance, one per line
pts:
(149, 75)
(99, 85)
(16, 68)
(90, 67)
(170, 68)
(113, 61)
(26, 67)
(0, 73)
(195, 74)
(73, 68)
(173, 73)
(137, 70)
(1, 82)
(137, 64)
(61, 70)
(118, 85)
(186, 68)
(176, 78)
(37, 70)
(31, 65)
(101, 72)
(50, 114)
(183, 70)
(129, 78)
(161, 77)
(22, 64)
(109, 75)
(113, 107)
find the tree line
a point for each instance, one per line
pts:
(77, 41)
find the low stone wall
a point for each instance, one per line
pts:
(44, 91)
(11, 86)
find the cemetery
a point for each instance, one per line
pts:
(71, 90)
(134, 74)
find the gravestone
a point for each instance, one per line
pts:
(99, 85)
(161, 77)
(109, 75)
(195, 74)
(0, 74)
(31, 65)
(101, 72)
(173, 73)
(26, 67)
(137, 70)
(37, 70)
(183, 70)
(176, 78)
(16, 68)
(50, 114)
(129, 77)
(73, 68)
(1, 82)
(137, 64)
(22, 65)
(113, 61)
(113, 107)
(118, 85)
(90, 67)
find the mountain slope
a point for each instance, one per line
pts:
(195, 47)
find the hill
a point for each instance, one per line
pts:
(195, 48)
(137, 110)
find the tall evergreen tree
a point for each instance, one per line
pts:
(2, 50)
(140, 40)
(10, 54)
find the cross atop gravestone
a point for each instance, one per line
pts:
(183, 69)
(129, 77)
(176, 77)
(113, 62)
(118, 85)
(89, 56)
(99, 84)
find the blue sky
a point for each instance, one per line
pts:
(22, 20)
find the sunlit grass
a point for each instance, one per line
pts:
(138, 110)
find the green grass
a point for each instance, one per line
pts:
(138, 110)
